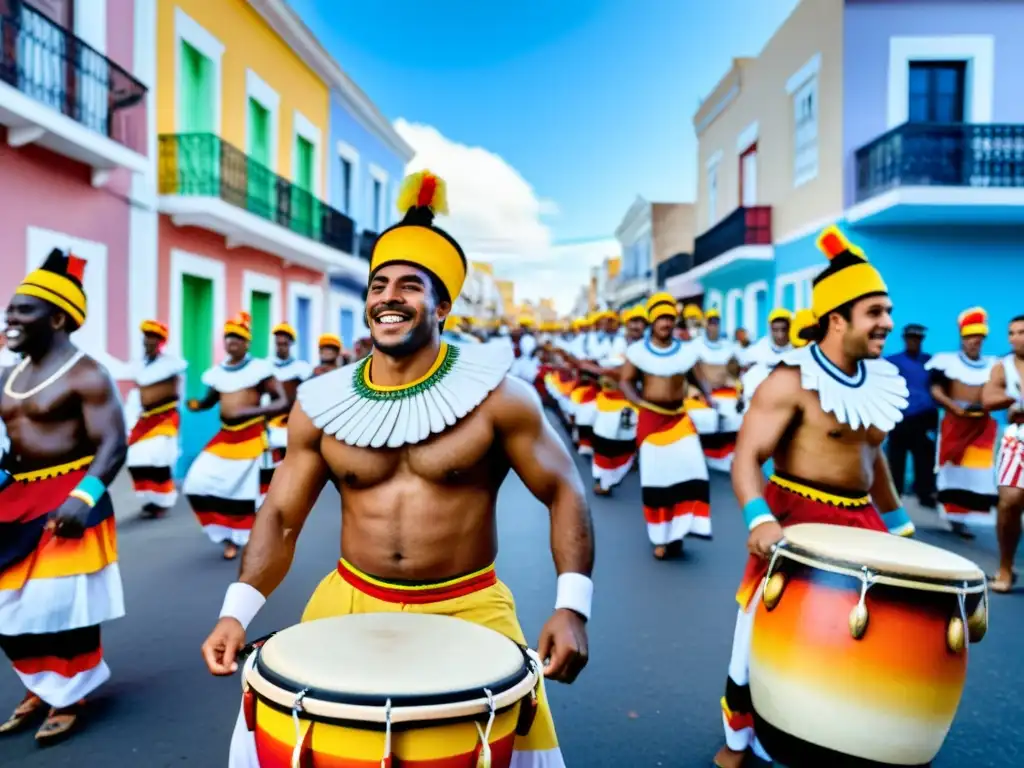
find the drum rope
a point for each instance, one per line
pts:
(484, 761)
(296, 708)
(385, 761)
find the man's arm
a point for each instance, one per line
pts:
(628, 376)
(939, 384)
(696, 377)
(297, 484)
(206, 402)
(278, 401)
(993, 394)
(104, 422)
(886, 499)
(540, 459)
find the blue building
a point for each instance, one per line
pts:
(364, 176)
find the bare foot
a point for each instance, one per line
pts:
(659, 553)
(230, 551)
(599, 491)
(729, 758)
(1003, 582)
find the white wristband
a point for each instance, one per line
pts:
(242, 602)
(576, 592)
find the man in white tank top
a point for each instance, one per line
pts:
(1004, 391)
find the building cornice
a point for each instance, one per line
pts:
(636, 216)
(286, 23)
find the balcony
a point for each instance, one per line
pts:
(206, 182)
(675, 265)
(924, 174)
(60, 93)
(744, 236)
(367, 239)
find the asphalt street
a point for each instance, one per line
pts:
(659, 641)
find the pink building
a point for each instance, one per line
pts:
(76, 157)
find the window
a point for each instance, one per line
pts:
(805, 121)
(748, 177)
(937, 91)
(378, 198)
(346, 186)
(197, 94)
(713, 195)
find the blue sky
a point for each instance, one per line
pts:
(590, 100)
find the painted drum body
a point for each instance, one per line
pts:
(821, 694)
(409, 690)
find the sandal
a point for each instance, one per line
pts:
(1003, 587)
(25, 714)
(58, 724)
(230, 551)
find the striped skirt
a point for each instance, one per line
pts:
(966, 475)
(614, 438)
(152, 454)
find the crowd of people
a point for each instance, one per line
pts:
(420, 425)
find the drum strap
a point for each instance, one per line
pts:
(303, 732)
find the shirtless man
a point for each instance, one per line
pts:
(330, 348)
(719, 424)
(223, 483)
(673, 474)
(770, 349)
(965, 481)
(153, 447)
(289, 372)
(420, 508)
(825, 470)
(59, 578)
(1005, 391)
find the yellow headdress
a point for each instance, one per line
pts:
(803, 320)
(525, 320)
(239, 325)
(693, 312)
(848, 276)
(780, 313)
(59, 282)
(973, 322)
(286, 330)
(416, 240)
(661, 305)
(155, 327)
(713, 314)
(329, 340)
(636, 312)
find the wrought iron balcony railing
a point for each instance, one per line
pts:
(941, 155)
(204, 165)
(744, 226)
(47, 63)
(366, 240)
(675, 265)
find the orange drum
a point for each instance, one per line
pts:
(859, 647)
(389, 689)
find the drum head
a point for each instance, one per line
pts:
(411, 659)
(881, 552)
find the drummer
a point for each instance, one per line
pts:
(821, 415)
(418, 531)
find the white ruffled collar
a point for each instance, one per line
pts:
(225, 378)
(718, 352)
(676, 359)
(959, 367)
(160, 368)
(875, 396)
(291, 369)
(345, 405)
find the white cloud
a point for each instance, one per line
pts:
(497, 217)
(494, 213)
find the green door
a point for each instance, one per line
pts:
(198, 151)
(259, 165)
(197, 334)
(259, 308)
(305, 218)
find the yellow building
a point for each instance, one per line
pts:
(507, 291)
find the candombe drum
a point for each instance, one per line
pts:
(389, 689)
(859, 647)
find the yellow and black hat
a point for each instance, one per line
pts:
(803, 323)
(847, 277)
(415, 240)
(661, 305)
(780, 313)
(285, 330)
(329, 340)
(155, 328)
(240, 325)
(59, 282)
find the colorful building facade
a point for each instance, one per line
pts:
(365, 171)
(244, 108)
(77, 156)
(898, 122)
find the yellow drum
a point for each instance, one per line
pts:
(389, 689)
(859, 646)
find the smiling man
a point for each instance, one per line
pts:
(419, 437)
(59, 578)
(821, 415)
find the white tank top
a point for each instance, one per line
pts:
(1014, 390)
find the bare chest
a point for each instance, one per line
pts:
(24, 398)
(825, 428)
(463, 454)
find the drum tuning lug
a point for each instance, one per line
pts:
(773, 590)
(977, 623)
(955, 635)
(858, 620)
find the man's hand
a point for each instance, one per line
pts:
(193, 405)
(1016, 414)
(763, 538)
(68, 520)
(563, 645)
(222, 646)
